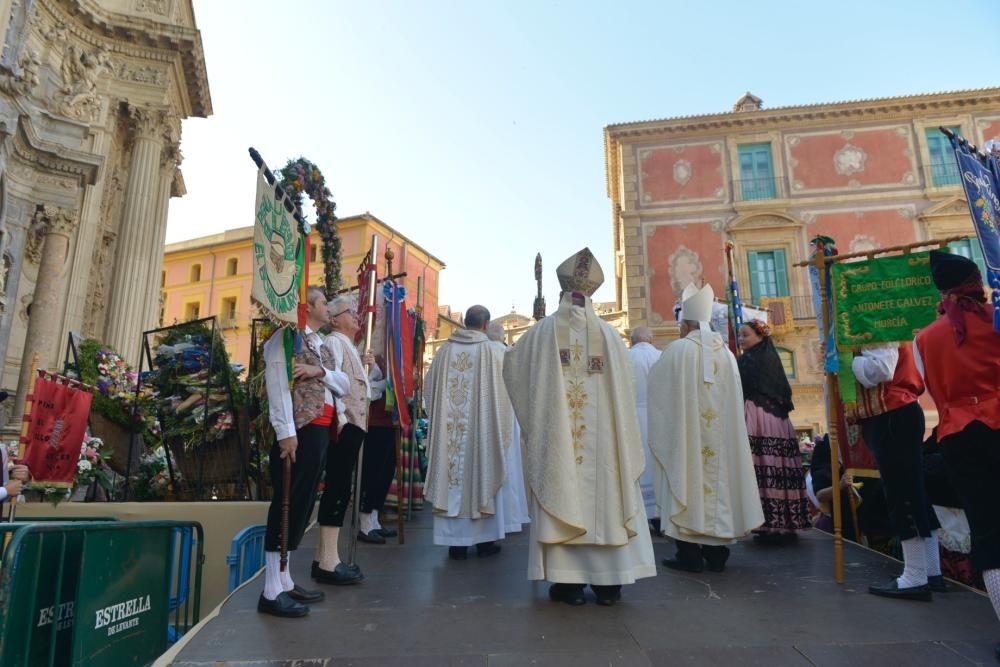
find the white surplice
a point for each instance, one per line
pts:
(583, 451)
(706, 487)
(643, 356)
(471, 420)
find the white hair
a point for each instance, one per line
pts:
(641, 334)
(494, 331)
(343, 302)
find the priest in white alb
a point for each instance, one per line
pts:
(470, 431)
(644, 354)
(706, 488)
(570, 380)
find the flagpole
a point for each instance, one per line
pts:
(369, 324)
(400, 397)
(418, 383)
(25, 426)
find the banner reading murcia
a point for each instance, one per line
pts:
(278, 256)
(56, 428)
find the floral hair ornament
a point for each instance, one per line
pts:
(760, 327)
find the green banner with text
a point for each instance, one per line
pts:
(883, 300)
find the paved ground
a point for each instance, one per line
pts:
(773, 606)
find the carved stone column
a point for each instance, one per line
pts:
(56, 226)
(169, 160)
(127, 313)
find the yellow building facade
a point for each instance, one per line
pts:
(211, 275)
(870, 174)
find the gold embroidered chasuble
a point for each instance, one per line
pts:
(471, 420)
(583, 451)
(706, 488)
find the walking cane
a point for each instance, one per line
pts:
(369, 315)
(285, 502)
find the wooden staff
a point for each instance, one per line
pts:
(418, 383)
(369, 322)
(25, 426)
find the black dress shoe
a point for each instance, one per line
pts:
(685, 564)
(387, 532)
(937, 584)
(316, 569)
(571, 594)
(485, 549)
(300, 594)
(283, 606)
(458, 553)
(607, 595)
(715, 557)
(892, 590)
(371, 537)
(342, 575)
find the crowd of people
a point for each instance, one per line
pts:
(597, 447)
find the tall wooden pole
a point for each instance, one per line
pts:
(369, 323)
(418, 387)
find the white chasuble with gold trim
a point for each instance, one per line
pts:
(575, 403)
(706, 488)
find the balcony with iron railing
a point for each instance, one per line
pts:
(943, 174)
(754, 189)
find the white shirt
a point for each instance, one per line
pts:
(874, 366)
(279, 398)
(374, 375)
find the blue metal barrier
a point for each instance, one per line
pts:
(247, 555)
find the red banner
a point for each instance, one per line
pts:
(56, 429)
(854, 453)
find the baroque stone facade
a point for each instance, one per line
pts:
(92, 93)
(870, 174)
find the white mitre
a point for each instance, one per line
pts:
(580, 273)
(696, 306)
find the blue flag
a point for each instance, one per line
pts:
(981, 180)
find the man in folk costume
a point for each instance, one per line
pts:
(470, 428)
(343, 446)
(706, 488)
(959, 358)
(892, 423)
(515, 500)
(379, 466)
(644, 354)
(570, 381)
(301, 418)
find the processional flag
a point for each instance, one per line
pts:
(57, 426)
(980, 176)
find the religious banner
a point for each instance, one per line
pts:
(981, 180)
(278, 256)
(882, 300)
(57, 425)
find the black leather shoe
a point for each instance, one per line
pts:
(892, 590)
(372, 537)
(283, 606)
(386, 532)
(937, 584)
(342, 575)
(607, 595)
(715, 557)
(316, 569)
(571, 594)
(487, 549)
(300, 594)
(685, 564)
(458, 553)
(655, 528)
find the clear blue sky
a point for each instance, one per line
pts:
(475, 128)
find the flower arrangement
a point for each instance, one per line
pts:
(103, 367)
(152, 480)
(302, 176)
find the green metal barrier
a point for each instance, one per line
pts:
(98, 593)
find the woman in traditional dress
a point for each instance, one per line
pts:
(773, 442)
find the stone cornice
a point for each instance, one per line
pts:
(146, 39)
(51, 157)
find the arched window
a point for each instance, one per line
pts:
(232, 265)
(196, 273)
(788, 361)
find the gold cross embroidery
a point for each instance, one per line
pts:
(577, 350)
(706, 455)
(709, 417)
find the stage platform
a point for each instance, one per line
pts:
(772, 606)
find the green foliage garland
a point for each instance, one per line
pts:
(302, 176)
